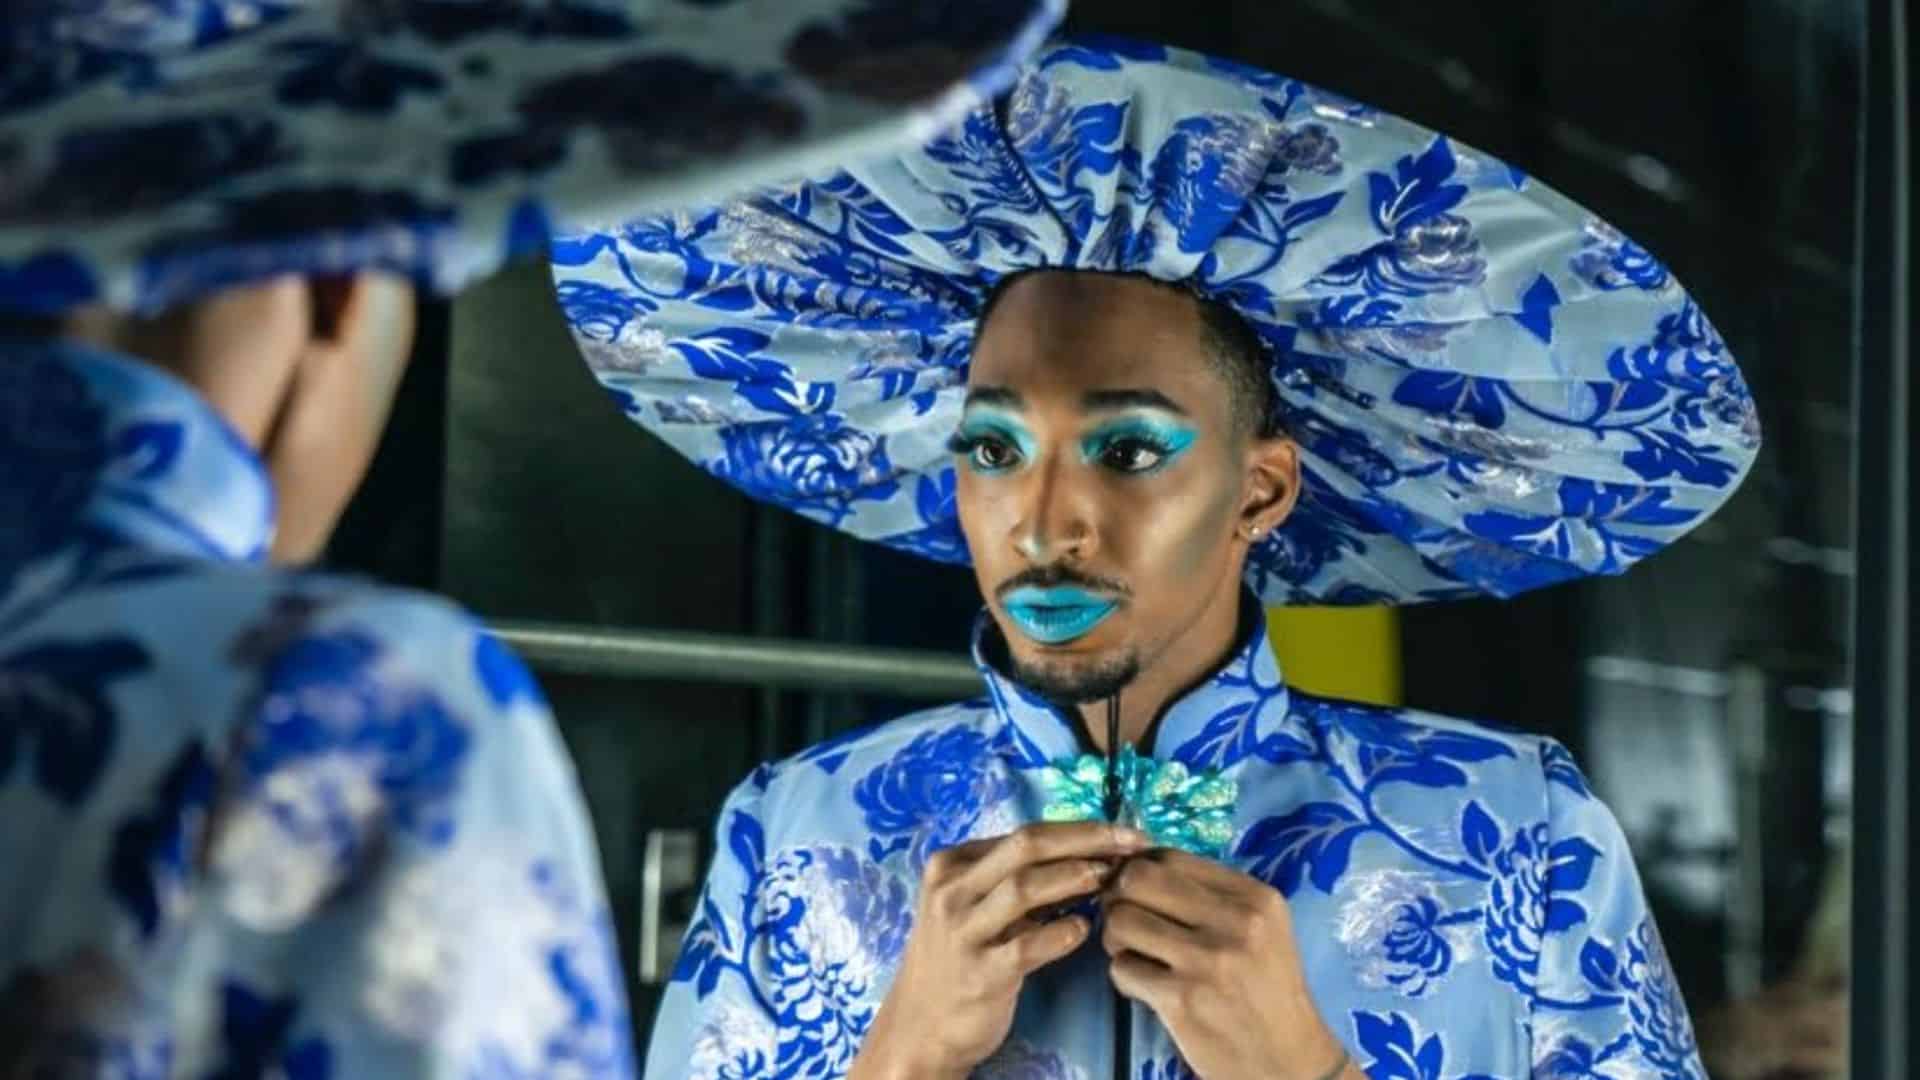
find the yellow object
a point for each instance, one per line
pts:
(1340, 652)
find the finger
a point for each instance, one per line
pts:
(1145, 980)
(1032, 889)
(1041, 944)
(1154, 884)
(1206, 873)
(1132, 928)
(1049, 842)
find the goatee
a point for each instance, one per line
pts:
(1077, 684)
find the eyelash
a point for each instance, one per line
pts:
(969, 445)
(1162, 448)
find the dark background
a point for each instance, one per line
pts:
(1721, 136)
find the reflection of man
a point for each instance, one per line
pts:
(256, 821)
(1165, 337)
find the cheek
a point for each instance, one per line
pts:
(1181, 532)
(982, 522)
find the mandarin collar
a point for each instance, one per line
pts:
(1225, 719)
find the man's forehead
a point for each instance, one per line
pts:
(1101, 341)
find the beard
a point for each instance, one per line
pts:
(1077, 683)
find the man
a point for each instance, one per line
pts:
(258, 820)
(1159, 340)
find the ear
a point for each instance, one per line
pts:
(1273, 486)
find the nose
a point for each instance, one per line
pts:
(1054, 524)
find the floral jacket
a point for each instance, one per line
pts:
(256, 823)
(1464, 906)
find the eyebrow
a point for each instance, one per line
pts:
(1005, 397)
(1111, 400)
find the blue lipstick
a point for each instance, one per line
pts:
(1058, 615)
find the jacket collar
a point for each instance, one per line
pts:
(98, 450)
(1237, 711)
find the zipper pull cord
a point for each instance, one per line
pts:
(1115, 798)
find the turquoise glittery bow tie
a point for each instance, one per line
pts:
(1178, 808)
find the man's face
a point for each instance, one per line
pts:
(1103, 485)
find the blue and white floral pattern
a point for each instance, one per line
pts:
(1428, 863)
(155, 150)
(318, 792)
(1493, 391)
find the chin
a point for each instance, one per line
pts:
(1073, 678)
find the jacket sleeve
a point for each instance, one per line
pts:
(1606, 1003)
(719, 1018)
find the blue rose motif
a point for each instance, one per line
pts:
(326, 694)
(815, 465)
(598, 311)
(930, 795)
(833, 925)
(1439, 253)
(1609, 261)
(1661, 1026)
(1428, 248)
(341, 754)
(1516, 912)
(1415, 946)
(1310, 148)
(53, 445)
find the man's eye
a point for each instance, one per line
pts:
(1131, 455)
(992, 455)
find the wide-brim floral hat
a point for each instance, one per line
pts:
(155, 150)
(1492, 389)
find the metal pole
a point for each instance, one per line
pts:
(1883, 952)
(722, 658)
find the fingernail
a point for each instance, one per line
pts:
(1130, 838)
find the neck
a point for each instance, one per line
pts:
(1190, 657)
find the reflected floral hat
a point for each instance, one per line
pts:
(155, 150)
(1492, 389)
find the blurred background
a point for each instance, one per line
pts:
(1704, 693)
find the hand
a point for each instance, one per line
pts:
(1211, 951)
(978, 932)
(1788, 1027)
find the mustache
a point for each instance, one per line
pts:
(1048, 577)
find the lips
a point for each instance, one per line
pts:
(1059, 615)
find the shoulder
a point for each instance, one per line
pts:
(1454, 750)
(301, 628)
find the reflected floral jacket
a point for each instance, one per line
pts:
(1464, 906)
(256, 823)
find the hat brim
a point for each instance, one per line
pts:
(1492, 390)
(149, 162)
